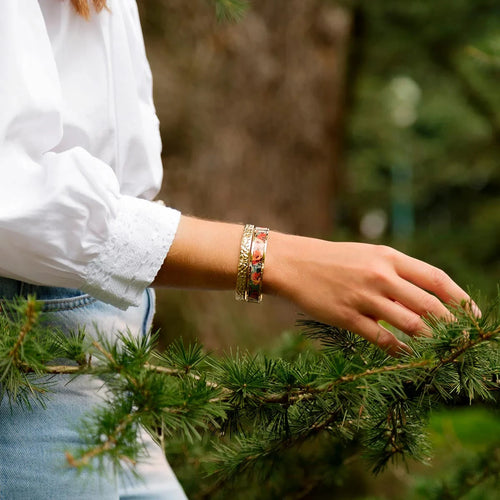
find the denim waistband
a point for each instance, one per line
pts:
(53, 298)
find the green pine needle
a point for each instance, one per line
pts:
(230, 10)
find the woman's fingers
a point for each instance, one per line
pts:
(402, 318)
(370, 330)
(417, 300)
(431, 278)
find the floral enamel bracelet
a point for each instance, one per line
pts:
(256, 264)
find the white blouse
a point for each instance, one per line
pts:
(79, 151)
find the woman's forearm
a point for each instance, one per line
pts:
(204, 254)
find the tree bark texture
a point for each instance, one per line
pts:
(251, 112)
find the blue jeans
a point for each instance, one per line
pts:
(32, 442)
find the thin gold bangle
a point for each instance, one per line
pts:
(242, 275)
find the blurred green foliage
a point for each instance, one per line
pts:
(423, 133)
(466, 464)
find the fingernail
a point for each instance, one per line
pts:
(475, 310)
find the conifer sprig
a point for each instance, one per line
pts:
(22, 345)
(252, 406)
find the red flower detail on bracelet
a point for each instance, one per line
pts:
(258, 254)
(256, 277)
(256, 264)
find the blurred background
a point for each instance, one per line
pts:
(375, 121)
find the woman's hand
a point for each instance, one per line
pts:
(355, 285)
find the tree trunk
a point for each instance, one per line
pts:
(251, 113)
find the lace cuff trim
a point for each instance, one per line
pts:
(139, 240)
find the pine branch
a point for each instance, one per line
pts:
(109, 442)
(22, 345)
(420, 378)
(347, 389)
(31, 317)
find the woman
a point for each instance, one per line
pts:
(79, 164)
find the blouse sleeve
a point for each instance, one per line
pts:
(63, 221)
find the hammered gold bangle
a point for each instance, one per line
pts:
(242, 275)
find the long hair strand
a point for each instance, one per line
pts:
(83, 7)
